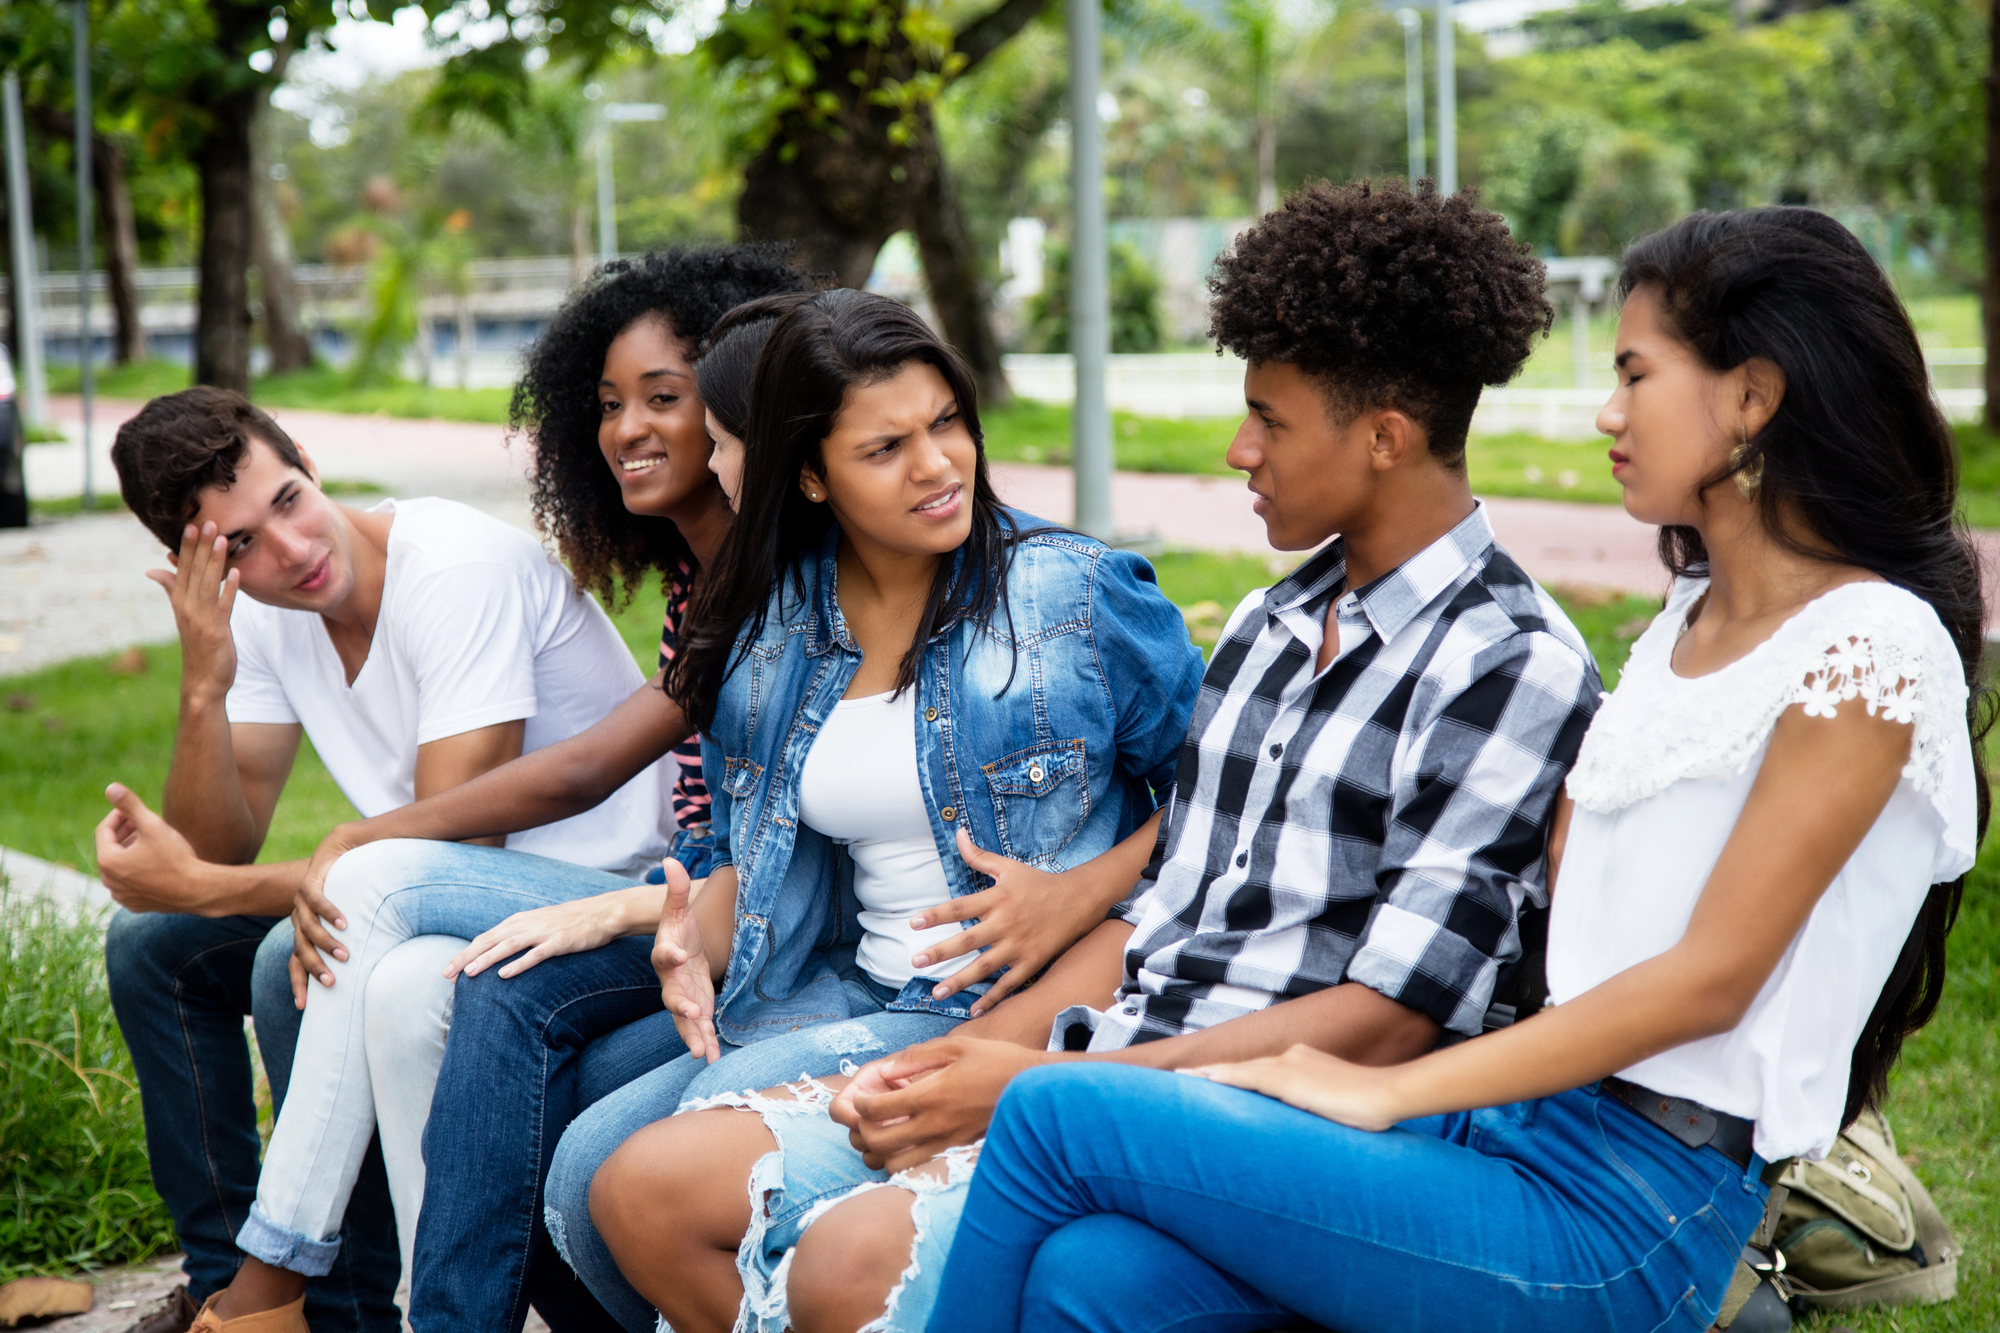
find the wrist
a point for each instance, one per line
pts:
(637, 910)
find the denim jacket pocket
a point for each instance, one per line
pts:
(1041, 797)
(740, 777)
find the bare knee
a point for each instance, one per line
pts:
(678, 1183)
(849, 1261)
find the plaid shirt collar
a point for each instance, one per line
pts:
(1395, 599)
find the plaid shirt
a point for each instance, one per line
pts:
(1382, 821)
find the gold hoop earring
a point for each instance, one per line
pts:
(1749, 471)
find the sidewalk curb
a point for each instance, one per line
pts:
(31, 876)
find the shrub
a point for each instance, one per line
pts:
(75, 1189)
(1135, 303)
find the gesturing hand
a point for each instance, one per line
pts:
(912, 1106)
(1357, 1095)
(202, 589)
(1026, 918)
(687, 985)
(142, 859)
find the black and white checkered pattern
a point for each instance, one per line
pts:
(1382, 822)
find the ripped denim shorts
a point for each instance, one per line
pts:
(814, 1168)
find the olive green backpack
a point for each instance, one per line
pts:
(1855, 1230)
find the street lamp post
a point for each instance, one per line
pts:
(1447, 176)
(1089, 279)
(1413, 87)
(83, 237)
(615, 113)
(27, 289)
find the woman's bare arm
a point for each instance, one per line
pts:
(1822, 785)
(552, 783)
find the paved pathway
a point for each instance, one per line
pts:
(76, 586)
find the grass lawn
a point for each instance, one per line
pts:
(69, 729)
(321, 389)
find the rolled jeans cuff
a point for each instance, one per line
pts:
(263, 1239)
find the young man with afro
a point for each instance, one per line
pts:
(1362, 803)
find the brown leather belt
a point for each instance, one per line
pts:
(1693, 1124)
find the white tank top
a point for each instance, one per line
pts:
(859, 787)
(1662, 776)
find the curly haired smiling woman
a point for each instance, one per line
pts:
(1772, 817)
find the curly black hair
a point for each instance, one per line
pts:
(1388, 297)
(573, 495)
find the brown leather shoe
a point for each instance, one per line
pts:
(285, 1319)
(176, 1316)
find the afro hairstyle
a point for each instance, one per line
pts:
(1388, 297)
(575, 498)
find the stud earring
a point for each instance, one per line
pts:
(1749, 471)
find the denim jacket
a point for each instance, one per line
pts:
(1049, 739)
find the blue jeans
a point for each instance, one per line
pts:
(1108, 1198)
(814, 1052)
(181, 986)
(525, 1054)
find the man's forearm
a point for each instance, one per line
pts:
(254, 890)
(1349, 1020)
(204, 796)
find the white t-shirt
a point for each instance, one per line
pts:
(859, 787)
(1662, 776)
(479, 625)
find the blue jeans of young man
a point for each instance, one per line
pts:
(181, 986)
(1111, 1198)
(814, 1052)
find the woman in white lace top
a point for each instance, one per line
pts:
(1772, 817)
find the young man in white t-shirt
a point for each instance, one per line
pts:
(417, 645)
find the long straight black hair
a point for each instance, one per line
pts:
(823, 345)
(1857, 466)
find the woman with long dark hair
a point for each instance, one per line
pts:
(919, 708)
(1772, 817)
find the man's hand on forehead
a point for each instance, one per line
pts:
(202, 588)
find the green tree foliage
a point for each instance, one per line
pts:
(1533, 173)
(1627, 184)
(1872, 108)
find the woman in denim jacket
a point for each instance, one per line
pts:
(874, 593)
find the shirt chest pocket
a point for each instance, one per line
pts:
(1041, 796)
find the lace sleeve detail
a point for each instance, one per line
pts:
(1868, 641)
(1898, 676)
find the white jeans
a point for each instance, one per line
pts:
(390, 893)
(407, 1014)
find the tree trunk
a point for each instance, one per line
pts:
(837, 232)
(1989, 218)
(222, 310)
(271, 240)
(951, 271)
(109, 166)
